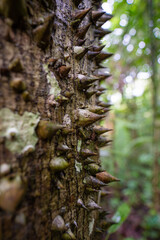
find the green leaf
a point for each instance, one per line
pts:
(119, 217)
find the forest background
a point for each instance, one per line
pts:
(134, 155)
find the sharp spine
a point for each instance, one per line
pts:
(85, 117)
(46, 129)
(93, 182)
(106, 177)
(63, 71)
(97, 14)
(82, 31)
(101, 32)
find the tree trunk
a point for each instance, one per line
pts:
(47, 120)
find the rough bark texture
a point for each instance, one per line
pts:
(35, 43)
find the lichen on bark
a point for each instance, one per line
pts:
(19, 131)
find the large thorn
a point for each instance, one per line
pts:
(103, 76)
(92, 54)
(46, 129)
(97, 48)
(85, 82)
(85, 117)
(93, 182)
(11, 193)
(63, 71)
(81, 204)
(97, 14)
(68, 235)
(100, 130)
(105, 17)
(58, 224)
(78, 16)
(103, 104)
(101, 32)
(96, 109)
(87, 153)
(82, 31)
(42, 33)
(80, 51)
(93, 206)
(90, 93)
(102, 141)
(93, 168)
(58, 164)
(105, 177)
(102, 56)
(63, 147)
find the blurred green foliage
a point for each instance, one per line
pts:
(131, 156)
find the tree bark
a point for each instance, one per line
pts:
(44, 135)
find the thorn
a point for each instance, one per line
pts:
(97, 14)
(58, 164)
(78, 16)
(102, 142)
(93, 206)
(93, 168)
(91, 190)
(101, 32)
(103, 56)
(105, 17)
(82, 31)
(84, 81)
(68, 235)
(87, 153)
(81, 204)
(46, 129)
(96, 109)
(63, 147)
(58, 224)
(11, 193)
(42, 33)
(101, 89)
(90, 93)
(88, 161)
(80, 42)
(99, 93)
(63, 71)
(100, 130)
(103, 76)
(105, 177)
(80, 51)
(97, 48)
(86, 117)
(91, 55)
(103, 104)
(18, 85)
(93, 182)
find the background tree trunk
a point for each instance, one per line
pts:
(40, 121)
